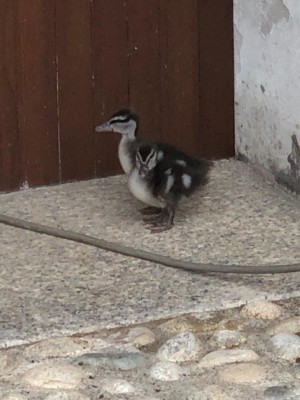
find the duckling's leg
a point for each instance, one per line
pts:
(164, 221)
(150, 210)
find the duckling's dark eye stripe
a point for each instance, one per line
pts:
(139, 158)
(151, 155)
(115, 121)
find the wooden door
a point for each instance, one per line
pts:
(66, 66)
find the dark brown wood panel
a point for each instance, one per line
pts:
(75, 95)
(182, 69)
(163, 55)
(37, 92)
(110, 50)
(65, 66)
(144, 64)
(10, 172)
(216, 85)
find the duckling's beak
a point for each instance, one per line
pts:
(106, 127)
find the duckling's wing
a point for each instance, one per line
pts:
(173, 180)
(173, 154)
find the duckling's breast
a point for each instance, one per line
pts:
(140, 189)
(126, 154)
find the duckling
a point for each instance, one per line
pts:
(160, 179)
(126, 123)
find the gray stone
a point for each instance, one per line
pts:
(297, 371)
(118, 386)
(243, 373)
(8, 362)
(54, 376)
(227, 339)
(294, 394)
(14, 396)
(141, 336)
(286, 346)
(183, 347)
(290, 325)
(221, 357)
(57, 347)
(67, 396)
(276, 392)
(212, 392)
(261, 309)
(177, 325)
(146, 398)
(165, 371)
(123, 360)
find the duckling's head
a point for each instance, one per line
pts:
(146, 159)
(124, 122)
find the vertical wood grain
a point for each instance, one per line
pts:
(75, 93)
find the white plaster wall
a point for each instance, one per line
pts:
(267, 80)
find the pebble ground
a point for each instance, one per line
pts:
(241, 353)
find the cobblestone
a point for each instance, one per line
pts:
(162, 361)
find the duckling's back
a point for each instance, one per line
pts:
(180, 176)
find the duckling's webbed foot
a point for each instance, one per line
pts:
(161, 223)
(150, 211)
(155, 218)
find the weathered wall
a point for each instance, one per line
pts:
(267, 86)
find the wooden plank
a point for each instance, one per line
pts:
(37, 95)
(110, 53)
(163, 54)
(144, 64)
(10, 171)
(182, 66)
(216, 78)
(75, 93)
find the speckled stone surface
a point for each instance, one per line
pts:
(50, 286)
(238, 218)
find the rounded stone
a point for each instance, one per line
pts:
(177, 325)
(221, 357)
(261, 309)
(54, 376)
(57, 347)
(183, 347)
(165, 371)
(8, 362)
(67, 396)
(118, 386)
(14, 396)
(120, 360)
(227, 339)
(141, 337)
(212, 392)
(289, 325)
(243, 373)
(146, 398)
(294, 394)
(286, 346)
(276, 392)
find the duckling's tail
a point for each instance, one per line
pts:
(201, 173)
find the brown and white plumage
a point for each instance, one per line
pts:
(161, 179)
(159, 174)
